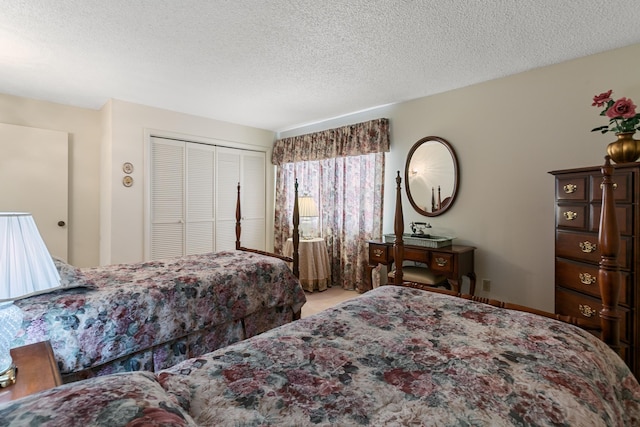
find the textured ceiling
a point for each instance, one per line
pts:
(281, 64)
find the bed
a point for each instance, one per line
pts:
(402, 356)
(396, 355)
(151, 315)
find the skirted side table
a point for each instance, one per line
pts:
(315, 268)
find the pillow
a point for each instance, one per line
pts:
(70, 276)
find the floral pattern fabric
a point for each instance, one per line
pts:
(402, 356)
(348, 191)
(161, 311)
(353, 140)
(131, 399)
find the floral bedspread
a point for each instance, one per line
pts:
(132, 399)
(401, 356)
(131, 307)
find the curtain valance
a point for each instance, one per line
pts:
(353, 140)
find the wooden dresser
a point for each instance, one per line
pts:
(453, 262)
(578, 201)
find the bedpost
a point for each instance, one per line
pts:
(398, 229)
(608, 273)
(296, 233)
(238, 216)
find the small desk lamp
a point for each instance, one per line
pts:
(26, 268)
(308, 209)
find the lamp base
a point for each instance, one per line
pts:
(8, 377)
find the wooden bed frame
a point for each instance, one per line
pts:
(608, 274)
(295, 259)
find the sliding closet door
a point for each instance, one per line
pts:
(167, 198)
(193, 198)
(247, 168)
(228, 171)
(200, 189)
(253, 171)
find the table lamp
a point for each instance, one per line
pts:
(26, 268)
(308, 209)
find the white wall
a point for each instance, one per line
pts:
(508, 134)
(122, 210)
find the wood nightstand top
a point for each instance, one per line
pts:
(37, 371)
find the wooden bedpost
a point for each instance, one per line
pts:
(238, 217)
(609, 274)
(398, 229)
(296, 233)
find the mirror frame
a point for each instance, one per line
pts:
(455, 171)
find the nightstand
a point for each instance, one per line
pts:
(37, 371)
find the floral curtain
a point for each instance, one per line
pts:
(347, 188)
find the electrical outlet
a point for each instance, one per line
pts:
(486, 285)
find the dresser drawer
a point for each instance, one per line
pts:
(416, 254)
(624, 216)
(587, 308)
(571, 188)
(623, 187)
(572, 216)
(441, 262)
(380, 253)
(584, 278)
(584, 247)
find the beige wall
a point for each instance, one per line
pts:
(106, 220)
(123, 209)
(83, 126)
(508, 133)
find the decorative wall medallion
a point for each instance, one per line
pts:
(127, 181)
(127, 167)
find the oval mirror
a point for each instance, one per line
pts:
(431, 174)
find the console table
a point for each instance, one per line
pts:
(315, 268)
(453, 261)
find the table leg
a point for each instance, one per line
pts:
(455, 285)
(472, 283)
(367, 285)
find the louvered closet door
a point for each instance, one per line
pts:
(200, 187)
(167, 198)
(248, 168)
(228, 176)
(253, 199)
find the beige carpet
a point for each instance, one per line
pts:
(318, 301)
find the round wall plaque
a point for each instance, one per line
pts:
(127, 167)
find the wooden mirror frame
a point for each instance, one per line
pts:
(452, 196)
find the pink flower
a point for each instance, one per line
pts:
(622, 108)
(600, 100)
(622, 114)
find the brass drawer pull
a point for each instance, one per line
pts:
(615, 186)
(378, 252)
(570, 215)
(587, 279)
(441, 262)
(588, 247)
(570, 188)
(586, 310)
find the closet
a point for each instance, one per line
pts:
(193, 190)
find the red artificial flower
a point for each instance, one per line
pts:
(600, 100)
(622, 108)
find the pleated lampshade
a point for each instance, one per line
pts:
(26, 266)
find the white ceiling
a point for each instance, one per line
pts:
(281, 64)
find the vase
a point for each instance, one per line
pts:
(625, 149)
